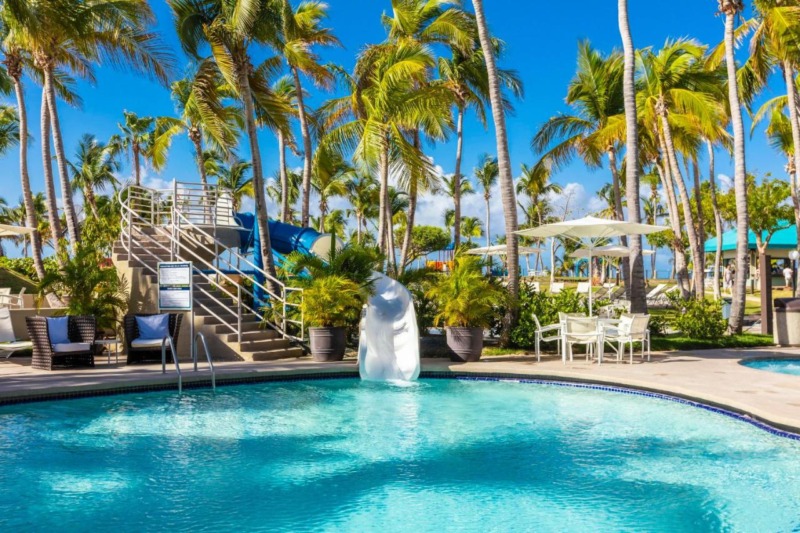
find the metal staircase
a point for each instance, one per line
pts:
(190, 223)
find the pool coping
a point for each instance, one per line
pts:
(348, 370)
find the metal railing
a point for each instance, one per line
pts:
(188, 216)
(199, 335)
(174, 359)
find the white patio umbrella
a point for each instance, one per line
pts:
(13, 231)
(588, 230)
(500, 249)
(611, 250)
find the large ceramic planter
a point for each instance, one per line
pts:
(466, 344)
(328, 344)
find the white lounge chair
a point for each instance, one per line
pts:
(631, 328)
(556, 287)
(8, 341)
(546, 334)
(583, 287)
(653, 296)
(11, 300)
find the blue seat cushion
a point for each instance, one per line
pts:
(153, 326)
(58, 329)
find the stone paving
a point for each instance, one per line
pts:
(712, 377)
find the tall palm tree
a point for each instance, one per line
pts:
(504, 164)
(234, 179)
(536, 185)
(77, 34)
(465, 75)
(93, 169)
(204, 116)
(731, 9)
(471, 227)
(362, 193)
(637, 286)
(14, 60)
(136, 137)
(329, 179)
(285, 90)
(291, 194)
(231, 28)
(302, 31)
(487, 173)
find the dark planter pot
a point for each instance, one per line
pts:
(466, 344)
(328, 344)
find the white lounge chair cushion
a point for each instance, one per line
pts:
(71, 347)
(146, 343)
(15, 346)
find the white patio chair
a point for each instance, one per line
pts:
(533, 285)
(12, 300)
(8, 341)
(556, 287)
(582, 330)
(653, 296)
(546, 334)
(583, 287)
(631, 328)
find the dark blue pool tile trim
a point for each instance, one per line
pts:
(492, 377)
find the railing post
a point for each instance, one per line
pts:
(239, 312)
(283, 311)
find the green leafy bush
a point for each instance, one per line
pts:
(24, 266)
(465, 297)
(658, 324)
(332, 301)
(699, 319)
(546, 308)
(419, 281)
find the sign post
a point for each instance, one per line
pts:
(175, 292)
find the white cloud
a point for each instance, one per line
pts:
(574, 201)
(725, 183)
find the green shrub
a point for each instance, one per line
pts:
(546, 308)
(466, 297)
(658, 324)
(699, 319)
(24, 266)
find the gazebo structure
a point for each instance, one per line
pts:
(782, 242)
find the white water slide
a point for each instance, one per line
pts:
(388, 347)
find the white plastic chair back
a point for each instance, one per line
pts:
(639, 323)
(625, 324)
(580, 328)
(583, 287)
(6, 327)
(556, 287)
(4, 292)
(536, 321)
(534, 285)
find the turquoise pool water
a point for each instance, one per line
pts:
(782, 366)
(343, 455)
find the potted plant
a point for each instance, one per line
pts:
(467, 301)
(330, 304)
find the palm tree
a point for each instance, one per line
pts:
(233, 178)
(732, 8)
(302, 31)
(504, 164)
(362, 193)
(276, 191)
(93, 169)
(637, 286)
(285, 90)
(231, 28)
(329, 179)
(203, 115)
(14, 61)
(486, 173)
(471, 227)
(536, 185)
(77, 34)
(137, 137)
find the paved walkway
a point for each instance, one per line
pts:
(714, 378)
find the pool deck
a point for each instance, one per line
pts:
(711, 377)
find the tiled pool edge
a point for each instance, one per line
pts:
(771, 427)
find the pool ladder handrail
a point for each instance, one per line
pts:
(199, 335)
(174, 358)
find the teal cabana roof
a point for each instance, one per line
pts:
(784, 239)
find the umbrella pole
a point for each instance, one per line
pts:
(590, 281)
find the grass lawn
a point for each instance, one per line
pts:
(667, 343)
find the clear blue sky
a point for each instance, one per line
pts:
(541, 42)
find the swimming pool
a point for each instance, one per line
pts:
(782, 366)
(342, 455)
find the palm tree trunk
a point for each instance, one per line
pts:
(688, 217)
(717, 219)
(636, 263)
(27, 195)
(197, 141)
(307, 153)
(701, 228)
(322, 211)
(136, 164)
(384, 198)
(679, 263)
(262, 218)
(504, 163)
(457, 179)
(91, 201)
(61, 160)
(791, 94)
(49, 183)
(618, 214)
(731, 8)
(412, 211)
(487, 198)
(284, 177)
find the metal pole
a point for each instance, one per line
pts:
(194, 343)
(239, 312)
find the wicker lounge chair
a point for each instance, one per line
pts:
(80, 349)
(149, 350)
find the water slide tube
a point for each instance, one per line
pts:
(389, 339)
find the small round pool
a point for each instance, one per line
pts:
(342, 455)
(782, 366)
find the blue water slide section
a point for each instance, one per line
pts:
(285, 239)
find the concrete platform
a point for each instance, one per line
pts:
(711, 377)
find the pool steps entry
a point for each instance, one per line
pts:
(190, 222)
